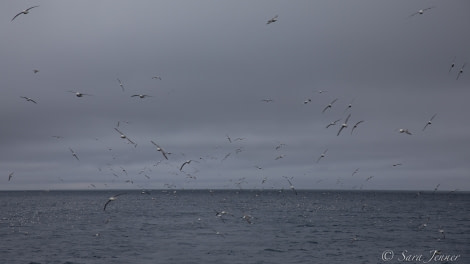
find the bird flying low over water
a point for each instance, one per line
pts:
(124, 136)
(110, 199)
(344, 125)
(24, 12)
(291, 185)
(28, 99)
(329, 105)
(10, 176)
(421, 11)
(429, 122)
(162, 151)
(157, 78)
(272, 20)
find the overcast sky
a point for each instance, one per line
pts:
(217, 61)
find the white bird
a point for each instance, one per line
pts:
(404, 130)
(125, 137)
(322, 155)
(461, 71)
(120, 84)
(291, 185)
(355, 126)
(28, 99)
(272, 20)
(307, 101)
(344, 125)
(429, 122)
(421, 11)
(110, 199)
(24, 12)
(161, 150)
(78, 94)
(141, 95)
(10, 176)
(74, 154)
(333, 123)
(329, 105)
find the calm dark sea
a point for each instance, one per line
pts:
(250, 227)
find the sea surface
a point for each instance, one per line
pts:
(234, 226)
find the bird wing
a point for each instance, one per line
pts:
(347, 118)
(181, 168)
(342, 127)
(118, 131)
(106, 204)
(163, 153)
(132, 142)
(31, 8)
(17, 15)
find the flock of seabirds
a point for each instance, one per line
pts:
(165, 154)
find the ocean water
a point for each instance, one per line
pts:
(228, 226)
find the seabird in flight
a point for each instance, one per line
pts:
(429, 122)
(10, 176)
(461, 70)
(404, 130)
(124, 136)
(110, 199)
(355, 126)
(161, 150)
(24, 12)
(322, 155)
(78, 94)
(74, 154)
(272, 20)
(28, 99)
(344, 125)
(120, 84)
(141, 95)
(421, 11)
(329, 105)
(186, 162)
(333, 123)
(157, 77)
